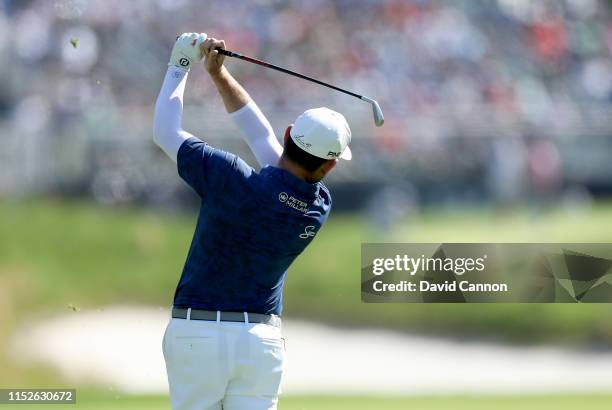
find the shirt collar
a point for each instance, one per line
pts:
(290, 180)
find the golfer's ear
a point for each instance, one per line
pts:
(329, 165)
(287, 132)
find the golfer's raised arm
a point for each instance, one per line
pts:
(167, 131)
(247, 116)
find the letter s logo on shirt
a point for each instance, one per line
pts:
(308, 232)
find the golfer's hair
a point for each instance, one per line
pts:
(297, 155)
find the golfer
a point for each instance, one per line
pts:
(223, 346)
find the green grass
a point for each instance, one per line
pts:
(582, 402)
(56, 254)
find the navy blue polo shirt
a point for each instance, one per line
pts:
(250, 228)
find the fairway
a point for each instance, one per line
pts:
(54, 255)
(594, 402)
(59, 254)
(66, 257)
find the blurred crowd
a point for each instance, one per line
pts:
(483, 98)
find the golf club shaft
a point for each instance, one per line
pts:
(284, 70)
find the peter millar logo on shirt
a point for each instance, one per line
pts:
(293, 202)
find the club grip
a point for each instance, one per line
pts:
(227, 52)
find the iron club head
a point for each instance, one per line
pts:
(379, 118)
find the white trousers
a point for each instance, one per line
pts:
(223, 365)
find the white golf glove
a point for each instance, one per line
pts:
(186, 51)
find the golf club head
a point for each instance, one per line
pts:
(379, 118)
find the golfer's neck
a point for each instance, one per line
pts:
(295, 170)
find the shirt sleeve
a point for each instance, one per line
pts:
(209, 170)
(257, 132)
(167, 131)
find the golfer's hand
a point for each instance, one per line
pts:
(213, 61)
(186, 51)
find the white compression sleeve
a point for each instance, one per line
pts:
(167, 131)
(258, 133)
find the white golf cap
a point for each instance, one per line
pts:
(323, 133)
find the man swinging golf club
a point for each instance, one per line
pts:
(223, 346)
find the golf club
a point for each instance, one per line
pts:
(379, 119)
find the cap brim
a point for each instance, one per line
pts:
(347, 154)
